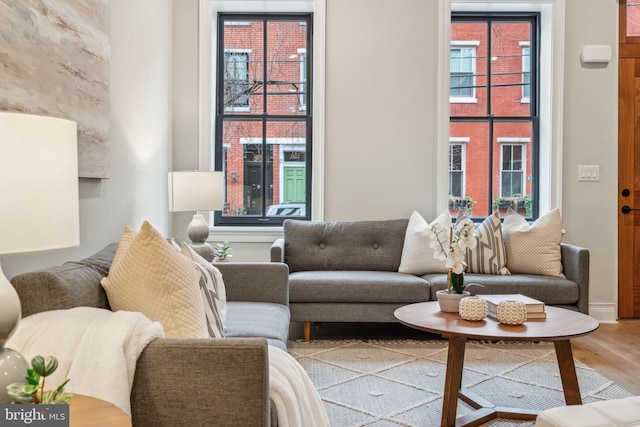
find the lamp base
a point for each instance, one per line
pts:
(198, 232)
(13, 369)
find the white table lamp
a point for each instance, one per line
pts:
(39, 199)
(196, 191)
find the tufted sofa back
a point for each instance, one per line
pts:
(359, 245)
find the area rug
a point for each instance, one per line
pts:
(391, 383)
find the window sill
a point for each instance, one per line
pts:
(245, 234)
(463, 100)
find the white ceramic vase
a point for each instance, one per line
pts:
(449, 303)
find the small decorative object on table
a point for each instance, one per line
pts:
(452, 249)
(33, 391)
(512, 312)
(222, 251)
(473, 308)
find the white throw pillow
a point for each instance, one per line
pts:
(489, 255)
(151, 277)
(212, 290)
(533, 248)
(417, 257)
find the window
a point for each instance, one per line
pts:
(512, 170)
(502, 126)
(456, 170)
(462, 64)
(263, 118)
(526, 74)
(236, 75)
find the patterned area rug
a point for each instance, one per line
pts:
(391, 383)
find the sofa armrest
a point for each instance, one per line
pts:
(277, 250)
(575, 266)
(197, 382)
(256, 281)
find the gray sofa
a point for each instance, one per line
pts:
(348, 272)
(188, 382)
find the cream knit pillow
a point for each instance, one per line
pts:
(151, 277)
(533, 248)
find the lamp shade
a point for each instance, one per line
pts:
(38, 183)
(195, 191)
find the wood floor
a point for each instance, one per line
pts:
(613, 349)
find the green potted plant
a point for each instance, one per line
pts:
(33, 391)
(222, 251)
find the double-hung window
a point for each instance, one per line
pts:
(263, 117)
(501, 126)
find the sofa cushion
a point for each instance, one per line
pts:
(359, 245)
(417, 253)
(258, 319)
(356, 286)
(549, 289)
(153, 278)
(533, 248)
(489, 255)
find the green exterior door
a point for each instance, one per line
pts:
(294, 184)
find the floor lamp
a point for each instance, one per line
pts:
(39, 199)
(196, 191)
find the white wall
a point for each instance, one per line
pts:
(381, 105)
(589, 209)
(140, 136)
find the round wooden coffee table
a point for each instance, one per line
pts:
(88, 411)
(559, 327)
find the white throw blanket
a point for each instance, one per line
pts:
(294, 395)
(96, 348)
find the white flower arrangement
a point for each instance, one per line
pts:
(450, 244)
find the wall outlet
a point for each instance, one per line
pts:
(589, 173)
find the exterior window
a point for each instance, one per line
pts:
(502, 125)
(263, 120)
(462, 78)
(526, 73)
(236, 75)
(456, 170)
(512, 170)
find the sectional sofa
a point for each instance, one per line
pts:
(348, 272)
(188, 382)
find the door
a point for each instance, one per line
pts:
(629, 160)
(294, 184)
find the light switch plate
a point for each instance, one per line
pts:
(588, 173)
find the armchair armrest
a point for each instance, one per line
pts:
(256, 281)
(199, 382)
(277, 250)
(575, 266)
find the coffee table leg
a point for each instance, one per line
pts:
(453, 379)
(568, 373)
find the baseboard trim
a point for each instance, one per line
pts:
(604, 312)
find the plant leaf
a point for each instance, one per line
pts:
(37, 364)
(32, 377)
(50, 366)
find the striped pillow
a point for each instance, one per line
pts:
(489, 255)
(212, 290)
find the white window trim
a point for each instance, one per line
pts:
(471, 44)
(207, 47)
(512, 142)
(523, 45)
(551, 93)
(233, 108)
(461, 141)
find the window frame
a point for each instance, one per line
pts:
(472, 45)
(490, 119)
(463, 162)
(522, 171)
(222, 114)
